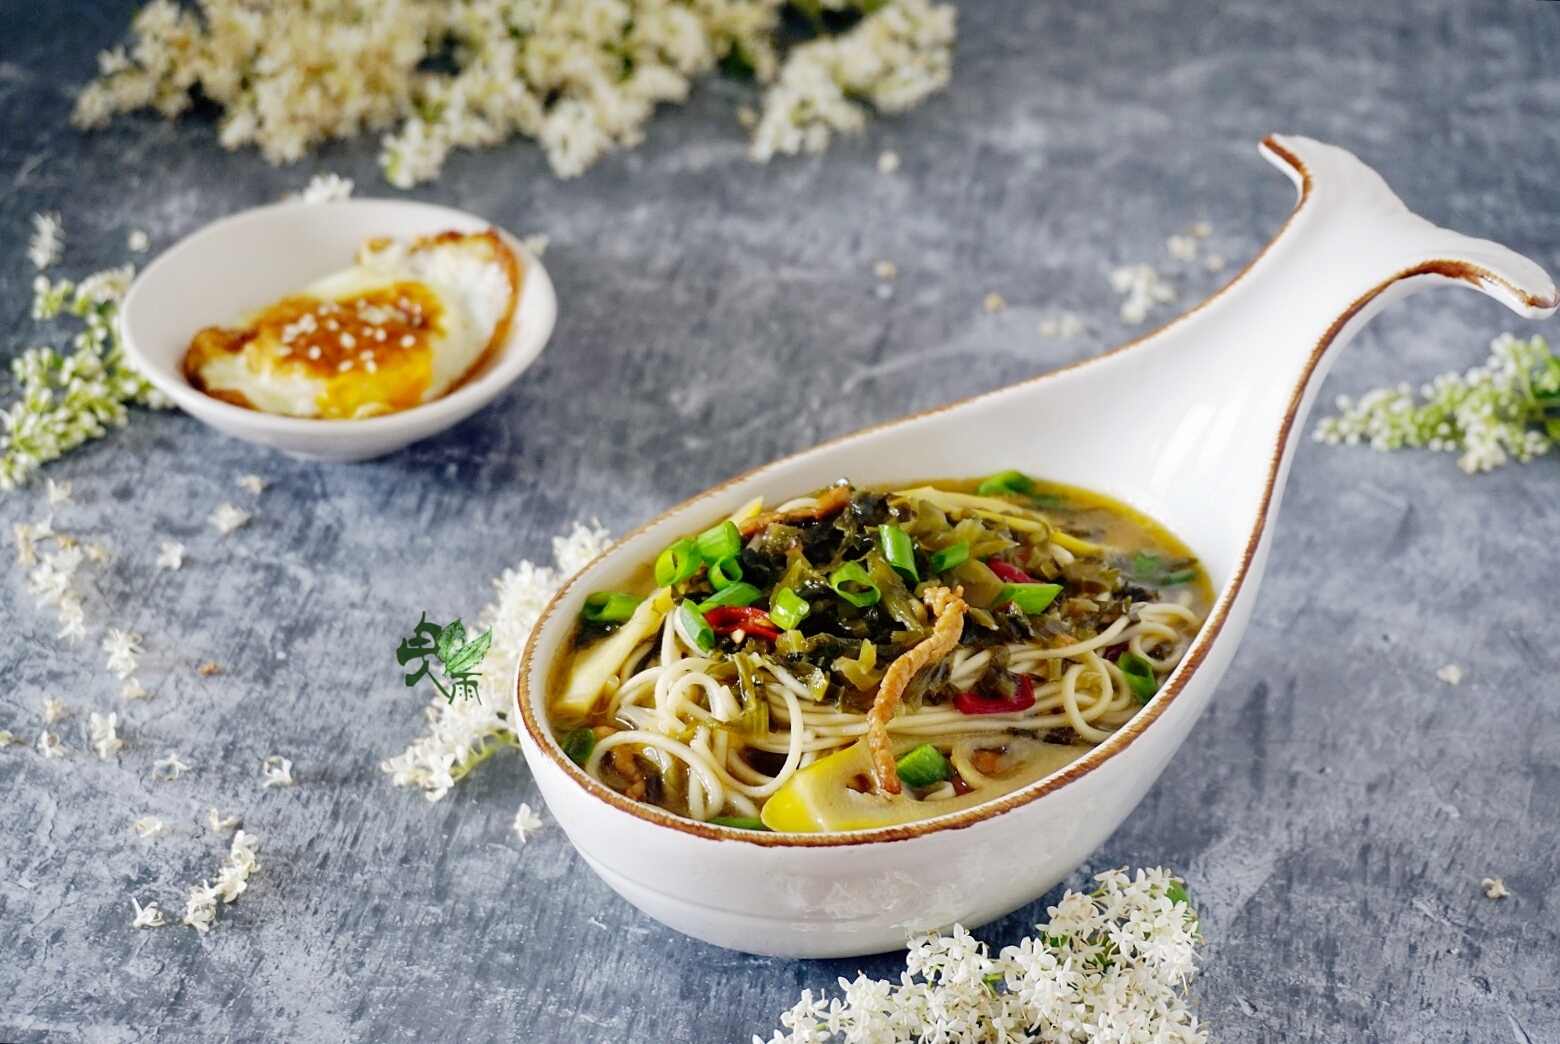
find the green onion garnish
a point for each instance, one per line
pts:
(1140, 675)
(610, 607)
(732, 594)
(739, 822)
(899, 550)
(1146, 564)
(786, 608)
(948, 557)
(1180, 576)
(693, 628)
(924, 766)
(725, 572)
(677, 563)
(1031, 598)
(579, 744)
(851, 582)
(720, 543)
(1006, 482)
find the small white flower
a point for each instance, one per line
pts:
(1143, 288)
(253, 483)
(57, 492)
(526, 822)
(95, 553)
(887, 161)
(217, 824)
(1201, 229)
(201, 910)
(277, 771)
(147, 826)
(169, 767)
(147, 916)
(1494, 888)
(228, 518)
(47, 245)
(993, 302)
(124, 652)
(1451, 674)
(537, 244)
(885, 270)
(132, 690)
(1182, 248)
(49, 745)
(323, 188)
(54, 710)
(1214, 262)
(7, 738)
(138, 242)
(105, 738)
(170, 555)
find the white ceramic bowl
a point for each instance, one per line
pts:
(259, 256)
(1194, 425)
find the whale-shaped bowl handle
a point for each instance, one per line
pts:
(1194, 424)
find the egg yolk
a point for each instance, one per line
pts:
(373, 351)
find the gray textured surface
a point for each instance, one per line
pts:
(1335, 809)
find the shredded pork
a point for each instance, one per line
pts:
(949, 608)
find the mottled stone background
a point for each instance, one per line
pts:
(1334, 811)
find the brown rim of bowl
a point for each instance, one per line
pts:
(1122, 737)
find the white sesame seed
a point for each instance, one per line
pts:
(314, 351)
(408, 341)
(344, 366)
(371, 366)
(379, 334)
(348, 341)
(331, 324)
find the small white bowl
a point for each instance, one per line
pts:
(259, 256)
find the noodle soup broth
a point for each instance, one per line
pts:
(863, 657)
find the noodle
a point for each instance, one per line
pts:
(714, 724)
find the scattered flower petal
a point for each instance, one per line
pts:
(1143, 288)
(169, 767)
(277, 771)
(56, 492)
(322, 188)
(1214, 262)
(1494, 888)
(105, 737)
(138, 242)
(1182, 248)
(54, 710)
(7, 738)
(47, 244)
(218, 825)
(147, 916)
(887, 161)
(526, 822)
(170, 555)
(1201, 229)
(253, 483)
(885, 270)
(132, 690)
(49, 745)
(148, 826)
(993, 302)
(227, 518)
(1451, 674)
(124, 652)
(209, 668)
(537, 244)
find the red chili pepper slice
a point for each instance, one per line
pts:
(974, 703)
(724, 619)
(1010, 574)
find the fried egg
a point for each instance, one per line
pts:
(405, 324)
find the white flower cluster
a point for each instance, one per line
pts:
(894, 58)
(232, 878)
(66, 400)
(322, 188)
(1113, 966)
(1490, 415)
(580, 76)
(47, 244)
(467, 732)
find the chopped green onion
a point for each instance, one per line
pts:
(1031, 598)
(899, 550)
(1006, 482)
(1140, 675)
(579, 744)
(924, 766)
(851, 582)
(725, 572)
(693, 628)
(739, 822)
(786, 608)
(1146, 564)
(948, 557)
(1180, 576)
(720, 543)
(732, 594)
(610, 607)
(677, 563)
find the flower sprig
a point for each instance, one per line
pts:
(65, 400)
(1508, 409)
(1113, 965)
